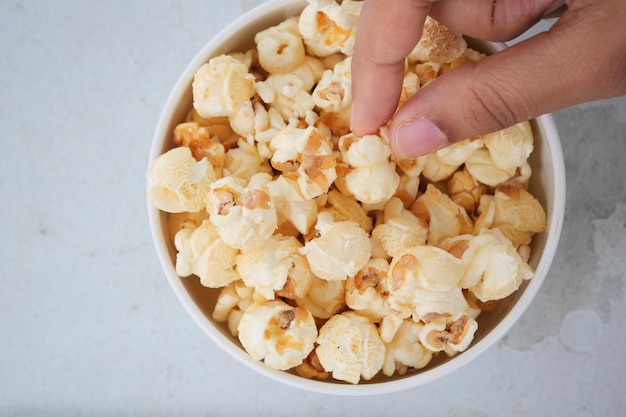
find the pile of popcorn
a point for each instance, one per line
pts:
(334, 256)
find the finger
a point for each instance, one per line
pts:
(570, 64)
(387, 31)
(491, 20)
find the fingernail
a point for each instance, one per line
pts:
(418, 137)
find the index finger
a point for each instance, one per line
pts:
(387, 32)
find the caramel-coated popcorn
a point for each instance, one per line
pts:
(332, 256)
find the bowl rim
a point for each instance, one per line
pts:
(544, 123)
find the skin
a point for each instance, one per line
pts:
(581, 58)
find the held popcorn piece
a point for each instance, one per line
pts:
(438, 44)
(350, 348)
(372, 178)
(220, 86)
(277, 333)
(274, 265)
(340, 251)
(202, 252)
(245, 217)
(328, 27)
(400, 228)
(178, 183)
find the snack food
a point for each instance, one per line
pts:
(310, 171)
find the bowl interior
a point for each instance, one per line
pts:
(547, 185)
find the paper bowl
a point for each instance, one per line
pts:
(547, 184)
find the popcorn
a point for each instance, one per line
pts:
(307, 152)
(232, 301)
(514, 211)
(202, 252)
(287, 94)
(510, 148)
(245, 217)
(405, 350)
(244, 161)
(334, 91)
(401, 229)
(280, 47)
(482, 167)
(268, 268)
(423, 280)
(340, 250)
(324, 298)
(280, 335)
(448, 334)
(444, 217)
(373, 178)
(366, 292)
(198, 139)
(328, 27)
(441, 164)
(291, 205)
(343, 208)
(220, 85)
(178, 221)
(492, 267)
(465, 190)
(350, 348)
(178, 183)
(438, 44)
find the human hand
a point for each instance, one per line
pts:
(581, 58)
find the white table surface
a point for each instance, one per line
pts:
(89, 325)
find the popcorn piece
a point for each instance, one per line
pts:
(324, 298)
(220, 86)
(444, 217)
(218, 127)
(450, 334)
(202, 252)
(366, 292)
(350, 348)
(268, 268)
(465, 190)
(427, 71)
(438, 44)
(510, 148)
(178, 221)
(492, 267)
(408, 189)
(373, 178)
(198, 139)
(482, 167)
(405, 350)
(334, 91)
(280, 47)
(245, 217)
(312, 368)
(178, 183)
(343, 208)
(423, 280)
(244, 161)
(280, 335)
(400, 229)
(307, 152)
(340, 250)
(291, 204)
(514, 211)
(232, 301)
(287, 93)
(441, 164)
(328, 27)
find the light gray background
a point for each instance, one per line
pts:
(89, 325)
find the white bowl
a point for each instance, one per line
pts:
(547, 184)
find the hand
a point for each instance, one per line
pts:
(581, 58)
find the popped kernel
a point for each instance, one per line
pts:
(280, 47)
(231, 302)
(405, 350)
(277, 333)
(400, 228)
(449, 334)
(350, 347)
(366, 292)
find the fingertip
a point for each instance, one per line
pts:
(417, 137)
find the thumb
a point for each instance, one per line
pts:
(570, 64)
